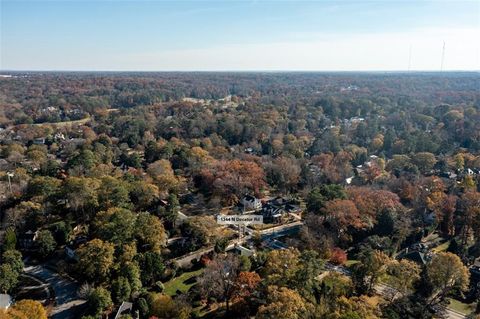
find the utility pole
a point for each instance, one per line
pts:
(9, 175)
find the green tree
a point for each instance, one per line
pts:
(81, 195)
(113, 193)
(143, 308)
(173, 208)
(61, 231)
(306, 277)
(85, 159)
(46, 243)
(320, 195)
(151, 264)
(43, 186)
(10, 241)
(281, 267)
(8, 278)
(95, 260)
(402, 275)
(332, 286)
(121, 289)
(99, 300)
(143, 194)
(150, 232)
(14, 259)
(221, 245)
(446, 273)
(116, 225)
(372, 266)
(424, 161)
(132, 272)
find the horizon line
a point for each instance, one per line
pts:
(240, 71)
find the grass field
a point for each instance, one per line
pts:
(66, 123)
(442, 247)
(461, 307)
(350, 262)
(181, 282)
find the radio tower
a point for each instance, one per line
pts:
(443, 56)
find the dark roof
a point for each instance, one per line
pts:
(291, 207)
(278, 201)
(416, 256)
(249, 197)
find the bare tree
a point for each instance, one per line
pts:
(219, 278)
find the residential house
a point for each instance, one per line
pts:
(70, 253)
(27, 239)
(244, 251)
(417, 256)
(418, 252)
(124, 309)
(449, 175)
(475, 271)
(249, 150)
(5, 301)
(39, 141)
(70, 248)
(292, 208)
(250, 202)
(272, 212)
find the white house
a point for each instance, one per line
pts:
(250, 202)
(5, 301)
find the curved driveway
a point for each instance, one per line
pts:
(67, 302)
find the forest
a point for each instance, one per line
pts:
(112, 182)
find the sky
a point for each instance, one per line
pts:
(156, 35)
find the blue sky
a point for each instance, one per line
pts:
(239, 35)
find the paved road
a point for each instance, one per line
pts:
(271, 233)
(452, 314)
(66, 299)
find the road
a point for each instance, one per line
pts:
(66, 299)
(452, 314)
(267, 234)
(282, 230)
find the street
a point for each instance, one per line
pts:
(66, 299)
(267, 234)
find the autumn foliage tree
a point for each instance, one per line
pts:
(232, 179)
(371, 202)
(283, 303)
(402, 275)
(218, 279)
(246, 283)
(341, 215)
(470, 215)
(446, 273)
(26, 308)
(338, 256)
(96, 260)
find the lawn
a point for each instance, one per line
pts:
(183, 282)
(351, 262)
(461, 307)
(65, 123)
(442, 247)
